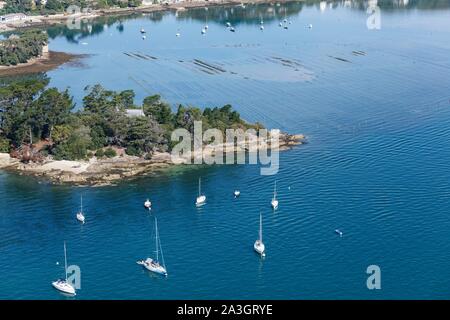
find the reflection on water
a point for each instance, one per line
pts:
(250, 14)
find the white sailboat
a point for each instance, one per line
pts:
(80, 215)
(154, 265)
(274, 202)
(148, 204)
(62, 284)
(201, 198)
(259, 245)
(237, 193)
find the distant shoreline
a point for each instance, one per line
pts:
(45, 21)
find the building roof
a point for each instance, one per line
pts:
(135, 113)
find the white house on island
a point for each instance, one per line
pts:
(134, 113)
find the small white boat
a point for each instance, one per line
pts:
(144, 37)
(80, 215)
(274, 202)
(261, 28)
(151, 264)
(64, 287)
(310, 26)
(237, 193)
(228, 24)
(203, 31)
(143, 31)
(259, 245)
(339, 232)
(147, 204)
(232, 29)
(285, 27)
(280, 24)
(206, 27)
(62, 284)
(201, 198)
(177, 34)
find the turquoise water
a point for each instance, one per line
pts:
(376, 165)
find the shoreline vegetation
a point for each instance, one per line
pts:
(27, 52)
(50, 18)
(109, 138)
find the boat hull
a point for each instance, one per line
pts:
(259, 248)
(80, 217)
(63, 286)
(147, 264)
(274, 204)
(200, 201)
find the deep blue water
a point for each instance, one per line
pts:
(376, 165)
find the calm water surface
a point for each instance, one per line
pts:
(375, 105)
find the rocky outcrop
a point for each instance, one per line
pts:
(109, 171)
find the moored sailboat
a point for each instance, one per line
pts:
(201, 198)
(154, 265)
(259, 245)
(147, 204)
(62, 284)
(80, 214)
(274, 202)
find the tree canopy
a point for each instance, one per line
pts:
(31, 111)
(21, 48)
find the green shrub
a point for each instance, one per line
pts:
(4, 145)
(132, 150)
(100, 153)
(110, 153)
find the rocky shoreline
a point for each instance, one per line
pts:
(98, 172)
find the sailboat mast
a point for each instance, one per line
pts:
(260, 227)
(275, 190)
(81, 207)
(65, 260)
(199, 186)
(156, 238)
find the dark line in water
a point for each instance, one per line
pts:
(340, 59)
